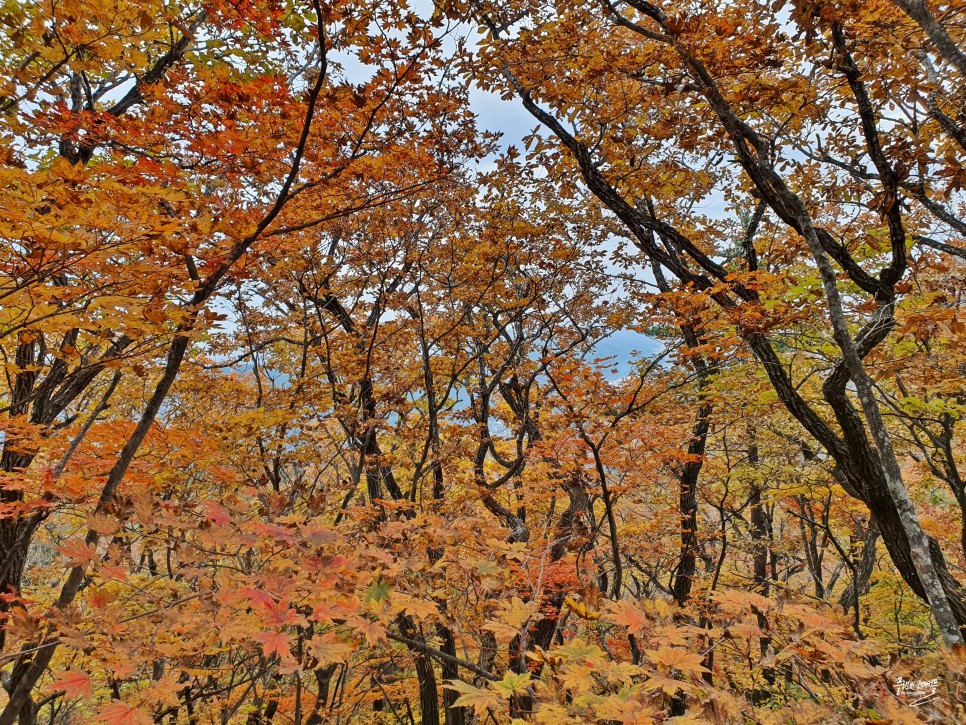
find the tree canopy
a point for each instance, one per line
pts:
(310, 408)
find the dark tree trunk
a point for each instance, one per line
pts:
(688, 506)
(449, 671)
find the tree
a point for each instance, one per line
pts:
(321, 404)
(809, 140)
(147, 153)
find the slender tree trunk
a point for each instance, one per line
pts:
(688, 506)
(428, 692)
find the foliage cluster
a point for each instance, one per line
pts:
(304, 413)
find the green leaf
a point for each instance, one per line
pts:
(377, 591)
(512, 683)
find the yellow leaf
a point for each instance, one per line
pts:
(512, 683)
(480, 700)
(677, 658)
(329, 648)
(513, 615)
(418, 608)
(581, 609)
(668, 685)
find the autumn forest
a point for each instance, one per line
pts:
(466, 362)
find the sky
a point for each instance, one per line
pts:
(511, 120)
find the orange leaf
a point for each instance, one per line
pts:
(627, 614)
(374, 632)
(274, 643)
(677, 658)
(121, 713)
(77, 551)
(74, 683)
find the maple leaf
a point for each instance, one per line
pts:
(677, 658)
(674, 634)
(78, 552)
(554, 714)
(256, 596)
(273, 531)
(511, 618)
(162, 693)
(512, 683)
(104, 524)
(377, 591)
(580, 651)
(668, 685)
(626, 711)
(373, 631)
(688, 720)
(735, 601)
(74, 683)
(280, 614)
(322, 535)
(327, 612)
(419, 608)
(809, 616)
(620, 671)
(216, 513)
(515, 612)
(578, 678)
(109, 572)
(855, 667)
(626, 614)
(121, 713)
(744, 630)
(274, 642)
(480, 700)
(330, 648)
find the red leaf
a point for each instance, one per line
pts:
(274, 643)
(216, 514)
(120, 713)
(77, 551)
(74, 683)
